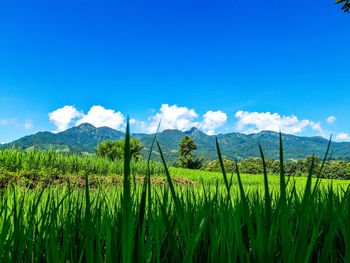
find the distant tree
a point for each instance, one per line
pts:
(346, 4)
(186, 157)
(308, 162)
(114, 150)
(230, 166)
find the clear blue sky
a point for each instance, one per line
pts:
(285, 57)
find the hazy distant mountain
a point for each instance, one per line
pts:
(85, 137)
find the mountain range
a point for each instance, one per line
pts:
(85, 137)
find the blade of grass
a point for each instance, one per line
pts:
(127, 220)
(223, 169)
(319, 174)
(267, 191)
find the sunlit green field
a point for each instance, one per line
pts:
(156, 214)
(250, 181)
(175, 223)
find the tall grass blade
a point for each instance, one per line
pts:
(266, 185)
(170, 182)
(223, 168)
(319, 174)
(127, 220)
(282, 173)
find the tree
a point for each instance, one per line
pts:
(186, 157)
(346, 6)
(114, 150)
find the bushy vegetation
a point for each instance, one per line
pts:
(114, 150)
(48, 163)
(187, 159)
(211, 223)
(331, 169)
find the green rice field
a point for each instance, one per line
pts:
(205, 217)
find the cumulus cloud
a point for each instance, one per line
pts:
(183, 118)
(171, 117)
(63, 117)
(251, 122)
(342, 137)
(213, 120)
(99, 117)
(331, 119)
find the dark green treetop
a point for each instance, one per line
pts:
(114, 150)
(186, 157)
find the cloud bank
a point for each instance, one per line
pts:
(252, 122)
(183, 118)
(170, 117)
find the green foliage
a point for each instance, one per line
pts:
(208, 223)
(186, 157)
(114, 150)
(50, 163)
(215, 166)
(346, 4)
(331, 169)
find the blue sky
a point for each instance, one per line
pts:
(222, 66)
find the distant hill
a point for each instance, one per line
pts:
(85, 137)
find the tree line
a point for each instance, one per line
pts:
(334, 169)
(114, 150)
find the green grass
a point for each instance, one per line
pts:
(50, 163)
(225, 218)
(202, 225)
(249, 180)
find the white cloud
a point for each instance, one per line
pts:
(342, 137)
(3, 142)
(331, 119)
(210, 132)
(182, 118)
(316, 126)
(171, 117)
(63, 117)
(28, 124)
(251, 122)
(99, 117)
(213, 120)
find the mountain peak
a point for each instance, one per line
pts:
(86, 125)
(192, 130)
